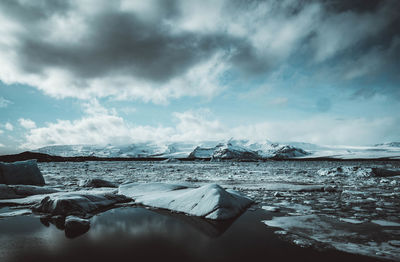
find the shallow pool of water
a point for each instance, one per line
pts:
(139, 234)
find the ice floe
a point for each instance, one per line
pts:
(361, 238)
(21, 172)
(210, 201)
(77, 203)
(385, 223)
(19, 191)
(358, 172)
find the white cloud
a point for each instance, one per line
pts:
(4, 102)
(324, 130)
(103, 126)
(27, 123)
(9, 126)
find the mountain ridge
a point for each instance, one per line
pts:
(229, 149)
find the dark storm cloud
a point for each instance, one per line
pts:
(34, 10)
(120, 42)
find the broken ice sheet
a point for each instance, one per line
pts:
(364, 239)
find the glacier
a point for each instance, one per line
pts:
(226, 149)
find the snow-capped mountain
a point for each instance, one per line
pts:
(244, 149)
(137, 150)
(230, 149)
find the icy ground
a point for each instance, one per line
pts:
(313, 202)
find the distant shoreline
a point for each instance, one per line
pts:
(40, 157)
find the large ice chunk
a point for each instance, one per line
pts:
(21, 173)
(77, 203)
(209, 201)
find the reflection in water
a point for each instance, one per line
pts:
(146, 235)
(59, 223)
(210, 228)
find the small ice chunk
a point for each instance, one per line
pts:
(385, 223)
(96, 182)
(351, 220)
(395, 243)
(271, 208)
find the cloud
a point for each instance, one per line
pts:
(4, 102)
(161, 50)
(9, 126)
(103, 126)
(323, 130)
(340, 31)
(27, 123)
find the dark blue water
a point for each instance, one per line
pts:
(138, 234)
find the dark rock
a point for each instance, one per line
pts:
(21, 173)
(381, 172)
(96, 182)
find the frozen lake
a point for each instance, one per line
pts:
(311, 208)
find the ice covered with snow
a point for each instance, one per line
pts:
(21, 172)
(210, 201)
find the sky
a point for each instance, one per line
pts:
(120, 72)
